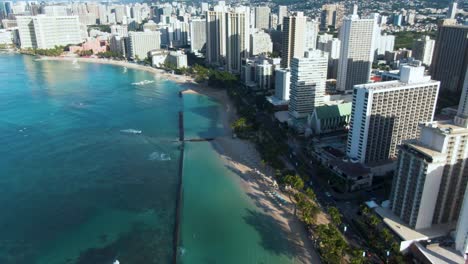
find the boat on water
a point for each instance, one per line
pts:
(131, 131)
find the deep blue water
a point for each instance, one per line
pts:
(71, 183)
(76, 188)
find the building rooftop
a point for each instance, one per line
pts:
(406, 233)
(447, 127)
(351, 169)
(425, 152)
(333, 111)
(437, 254)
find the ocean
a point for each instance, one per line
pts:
(89, 171)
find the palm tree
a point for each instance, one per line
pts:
(310, 193)
(335, 215)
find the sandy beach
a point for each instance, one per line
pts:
(241, 156)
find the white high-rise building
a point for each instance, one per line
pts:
(46, 32)
(312, 30)
(423, 50)
(262, 17)
(357, 52)
(197, 34)
(260, 43)
(282, 13)
(384, 114)
(308, 79)
(120, 12)
(293, 38)
(119, 30)
(215, 37)
(140, 43)
(430, 182)
(385, 43)
(282, 84)
(55, 11)
(237, 38)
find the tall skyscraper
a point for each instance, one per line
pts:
(237, 38)
(357, 52)
(423, 49)
(215, 37)
(262, 17)
(197, 34)
(308, 78)
(386, 113)
(282, 13)
(332, 15)
(294, 28)
(450, 59)
(46, 32)
(432, 172)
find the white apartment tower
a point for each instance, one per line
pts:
(432, 173)
(357, 52)
(260, 43)
(294, 30)
(262, 17)
(46, 32)
(385, 114)
(140, 43)
(308, 78)
(197, 34)
(423, 50)
(282, 13)
(237, 38)
(312, 30)
(215, 37)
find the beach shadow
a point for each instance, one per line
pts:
(275, 238)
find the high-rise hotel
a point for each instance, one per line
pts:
(432, 172)
(46, 32)
(308, 78)
(386, 113)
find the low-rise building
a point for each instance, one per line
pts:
(330, 118)
(92, 44)
(177, 59)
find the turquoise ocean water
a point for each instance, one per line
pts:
(77, 187)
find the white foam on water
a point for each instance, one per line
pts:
(159, 156)
(144, 82)
(131, 131)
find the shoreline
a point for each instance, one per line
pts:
(240, 155)
(256, 179)
(181, 79)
